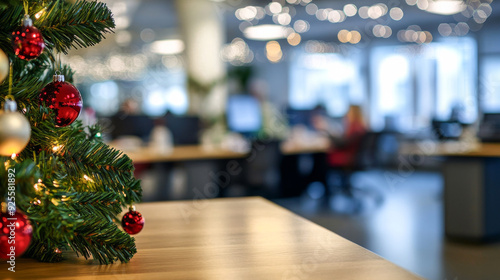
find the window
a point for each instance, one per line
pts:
(104, 98)
(414, 84)
(456, 79)
(392, 88)
(490, 83)
(164, 92)
(328, 79)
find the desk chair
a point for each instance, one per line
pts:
(376, 150)
(260, 174)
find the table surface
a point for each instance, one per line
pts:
(451, 149)
(232, 238)
(198, 152)
(182, 153)
(321, 145)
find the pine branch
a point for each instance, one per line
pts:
(78, 26)
(71, 185)
(104, 206)
(25, 173)
(107, 169)
(64, 26)
(106, 245)
(45, 251)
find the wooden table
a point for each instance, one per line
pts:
(198, 152)
(181, 153)
(320, 146)
(471, 174)
(237, 238)
(451, 149)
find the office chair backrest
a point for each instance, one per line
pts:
(387, 150)
(365, 157)
(262, 166)
(378, 150)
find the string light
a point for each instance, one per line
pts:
(13, 156)
(87, 178)
(57, 148)
(40, 13)
(38, 185)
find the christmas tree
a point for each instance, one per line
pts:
(69, 184)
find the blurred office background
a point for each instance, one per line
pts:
(193, 90)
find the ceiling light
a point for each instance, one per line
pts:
(167, 47)
(265, 32)
(445, 7)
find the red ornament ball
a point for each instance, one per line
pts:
(132, 222)
(27, 41)
(15, 233)
(64, 99)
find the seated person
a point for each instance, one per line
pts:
(346, 145)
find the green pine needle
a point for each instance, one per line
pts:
(71, 185)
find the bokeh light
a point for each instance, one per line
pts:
(273, 51)
(350, 10)
(396, 13)
(294, 39)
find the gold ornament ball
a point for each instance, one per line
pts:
(4, 66)
(15, 131)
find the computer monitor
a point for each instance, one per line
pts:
(131, 125)
(185, 129)
(244, 114)
(300, 117)
(447, 130)
(491, 118)
(489, 130)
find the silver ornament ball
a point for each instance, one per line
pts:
(15, 130)
(4, 66)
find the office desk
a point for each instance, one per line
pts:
(291, 148)
(471, 174)
(198, 152)
(451, 149)
(181, 153)
(237, 238)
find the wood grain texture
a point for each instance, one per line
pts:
(237, 238)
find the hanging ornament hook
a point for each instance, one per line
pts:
(10, 104)
(27, 20)
(59, 63)
(11, 70)
(58, 77)
(25, 4)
